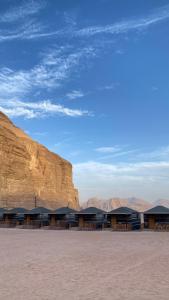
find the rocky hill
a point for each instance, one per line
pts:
(108, 205)
(163, 202)
(29, 171)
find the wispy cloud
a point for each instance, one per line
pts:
(155, 88)
(15, 108)
(27, 30)
(36, 30)
(62, 143)
(146, 179)
(70, 19)
(146, 174)
(111, 86)
(31, 30)
(126, 26)
(119, 51)
(157, 154)
(17, 13)
(123, 153)
(27, 26)
(41, 133)
(75, 94)
(113, 149)
(114, 152)
(55, 67)
(124, 168)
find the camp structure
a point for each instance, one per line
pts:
(37, 217)
(2, 217)
(14, 217)
(123, 219)
(91, 218)
(157, 218)
(63, 218)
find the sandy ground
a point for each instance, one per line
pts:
(58, 265)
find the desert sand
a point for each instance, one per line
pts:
(58, 265)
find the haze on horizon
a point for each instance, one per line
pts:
(89, 80)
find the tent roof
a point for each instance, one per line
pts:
(64, 211)
(2, 210)
(91, 211)
(17, 210)
(160, 210)
(39, 210)
(122, 211)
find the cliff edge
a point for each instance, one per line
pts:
(30, 174)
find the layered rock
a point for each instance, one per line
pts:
(113, 203)
(30, 174)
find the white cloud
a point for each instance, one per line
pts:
(70, 19)
(148, 180)
(158, 154)
(123, 27)
(75, 94)
(155, 88)
(119, 51)
(26, 25)
(63, 143)
(17, 13)
(113, 149)
(15, 108)
(110, 86)
(36, 30)
(138, 154)
(122, 168)
(41, 133)
(26, 30)
(113, 152)
(119, 154)
(13, 83)
(55, 67)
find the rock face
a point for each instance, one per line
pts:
(108, 205)
(30, 174)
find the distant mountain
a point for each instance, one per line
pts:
(163, 202)
(109, 204)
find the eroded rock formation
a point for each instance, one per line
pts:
(109, 204)
(29, 170)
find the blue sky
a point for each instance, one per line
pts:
(90, 80)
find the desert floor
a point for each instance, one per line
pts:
(58, 265)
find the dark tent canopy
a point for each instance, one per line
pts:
(91, 211)
(2, 212)
(159, 210)
(122, 211)
(39, 211)
(18, 210)
(63, 211)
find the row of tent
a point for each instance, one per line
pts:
(91, 218)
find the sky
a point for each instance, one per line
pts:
(90, 81)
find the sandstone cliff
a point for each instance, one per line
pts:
(27, 169)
